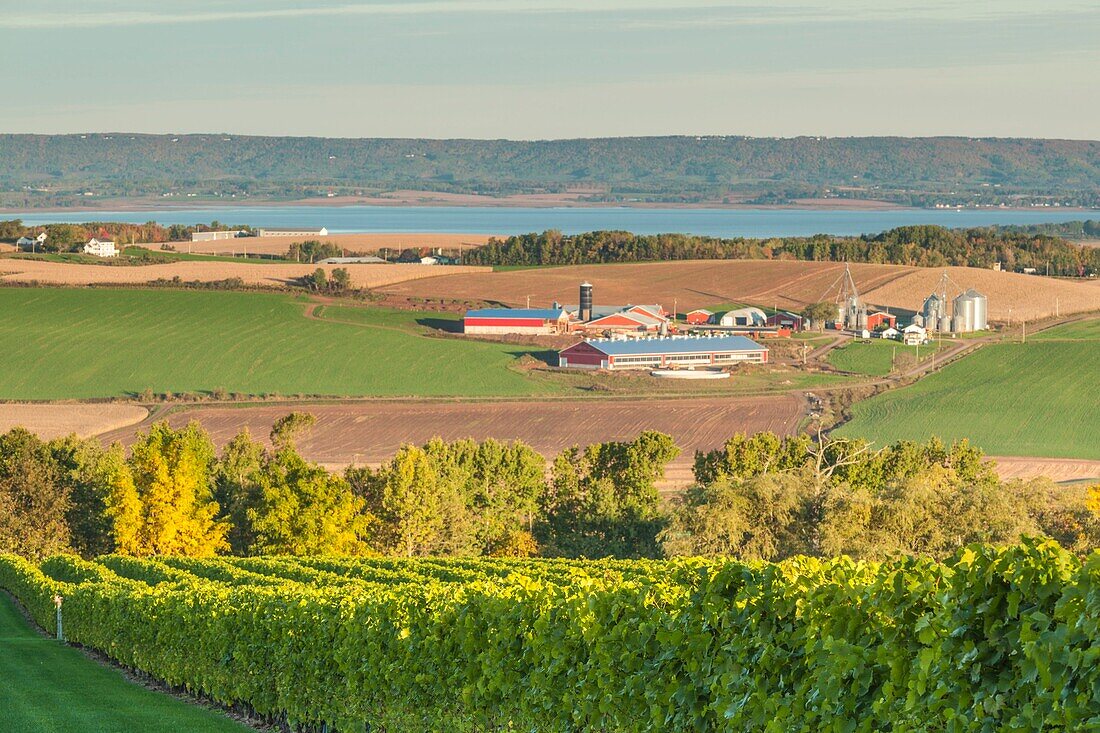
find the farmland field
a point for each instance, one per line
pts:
(428, 644)
(764, 283)
(877, 356)
(60, 344)
(86, 343)
(1033, 399)
(210, 269)
(371, 432)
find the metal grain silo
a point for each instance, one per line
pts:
(971, 311)
(934, 309)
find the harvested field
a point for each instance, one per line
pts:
(52, 421)
(1011, 295)
(786, 284)
(692, 284)
(63, 273)
(371, 432)
(1058, 469)
(373, 242)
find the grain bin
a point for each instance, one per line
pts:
(935, 308)
(586, 301)
(970, 309)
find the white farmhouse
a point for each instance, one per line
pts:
(100, 248)
(914, 335)
(31, 242)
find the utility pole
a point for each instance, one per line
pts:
(1024, 339)
(805, 348)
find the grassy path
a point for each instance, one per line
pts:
(46, 686)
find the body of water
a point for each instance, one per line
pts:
(508, 220)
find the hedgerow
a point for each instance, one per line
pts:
(992, 639)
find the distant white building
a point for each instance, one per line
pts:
(744, 317)
(429, 261)
(214, 236)
(31, 242)
(100, 248)
(889, 333)
(322, 232)
(914, 335)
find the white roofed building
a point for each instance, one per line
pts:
(100, 248)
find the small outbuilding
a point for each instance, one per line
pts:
(744, 317)
(699, 317)
(787, 320)
(878, 318)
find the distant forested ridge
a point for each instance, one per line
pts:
(57, 170)
(921, 246)
(1078, 229)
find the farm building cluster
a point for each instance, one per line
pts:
(649, 337)
(969, 311)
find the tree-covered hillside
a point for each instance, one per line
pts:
(44, 169)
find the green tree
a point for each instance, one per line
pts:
(819, 313)
(287, 429)
(405, 497)
(236, 482)
(86, 470)
(341, 280)
(33, 500)
(301, 509)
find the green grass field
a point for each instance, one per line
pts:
(1088, 330)
(47, 686)
(81, 343)
(876, 357)
(1033, 399)
(84, 343)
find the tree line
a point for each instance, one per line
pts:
(921, 246)
(757, 497)
(64, 237)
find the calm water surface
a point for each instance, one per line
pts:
(500, 220)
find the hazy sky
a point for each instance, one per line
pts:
(555, 68)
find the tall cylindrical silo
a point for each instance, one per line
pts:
(586, 301)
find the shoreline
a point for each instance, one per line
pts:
(432, 200)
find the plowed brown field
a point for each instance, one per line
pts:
(371, 432)
(786, 284)
(63, 273)
(373, 242)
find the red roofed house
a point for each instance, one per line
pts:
(878, 318)
(699, 316)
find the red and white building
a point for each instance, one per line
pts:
(787, 320)
(516, 320)
(876, 319)
(663, 352)
(698, 317)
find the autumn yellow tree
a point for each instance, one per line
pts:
(163, 502)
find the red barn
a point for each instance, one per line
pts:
(785, 320)
(698, 317)
(876, 319)
(515, 320)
